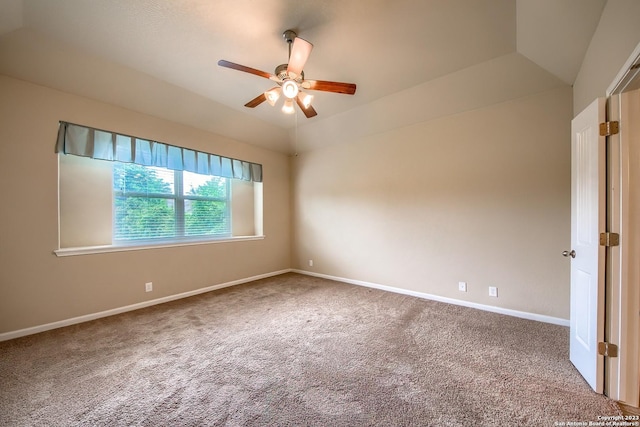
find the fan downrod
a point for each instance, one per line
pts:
(281, 70)
(289, 36)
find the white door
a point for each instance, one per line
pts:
(587, 256)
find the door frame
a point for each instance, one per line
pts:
(622, 381)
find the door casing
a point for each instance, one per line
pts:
(622, 381)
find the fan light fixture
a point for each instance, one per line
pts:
(290, 89)
(305, 99)
(287, 108)
(272, 95)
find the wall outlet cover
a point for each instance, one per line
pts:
(462, 286)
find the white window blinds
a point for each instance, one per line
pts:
(106, 145)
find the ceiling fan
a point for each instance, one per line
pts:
(290, 79)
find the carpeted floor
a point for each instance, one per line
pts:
(294, 350)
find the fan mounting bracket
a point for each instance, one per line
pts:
(289, 36)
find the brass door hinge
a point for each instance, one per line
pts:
(609, 128)
(607, 350)
(609, 239)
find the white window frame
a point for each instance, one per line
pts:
(179, 199)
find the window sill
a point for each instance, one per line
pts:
(88, 250)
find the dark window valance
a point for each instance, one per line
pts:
(106, 145)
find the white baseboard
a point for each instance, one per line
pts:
(493, 309)
(93, 316)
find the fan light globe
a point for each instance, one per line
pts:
(306, 99)
(290, 89)
(287, 108)
(272, 96)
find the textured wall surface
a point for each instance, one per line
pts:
(482, 197)
(37, 287)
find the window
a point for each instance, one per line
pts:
(157, 203)
(118, 192)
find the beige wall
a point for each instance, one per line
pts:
(243, 208)
(481, 197)
(618, 33)
(86, 200)
(36, 287)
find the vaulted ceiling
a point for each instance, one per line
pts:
(412, 60)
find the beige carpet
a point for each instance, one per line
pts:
(297, 351)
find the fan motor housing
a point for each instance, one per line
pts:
(281, 73)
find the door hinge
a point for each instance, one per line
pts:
(609, 128)
(607, 349)
(609, 239)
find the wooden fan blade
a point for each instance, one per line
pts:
(256, 101)
(299, 54)
(309, 111)
(249, 70)
(337, 87)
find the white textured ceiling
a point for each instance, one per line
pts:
(160, 57)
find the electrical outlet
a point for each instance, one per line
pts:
(148, 287)
(462, 286)
(493, 291)
(310, 263)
